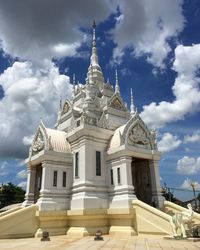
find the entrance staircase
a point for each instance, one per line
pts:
(144, 219)
(18, 222)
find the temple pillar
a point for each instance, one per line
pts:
(53, 196)
(122, 191)
(45, 201)
(157, 198)
(30, 189)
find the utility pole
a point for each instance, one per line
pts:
(193, 185)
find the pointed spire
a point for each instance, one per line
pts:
(94, 34)
(94, 57)
(94, 64)
(132, 108)
(74, 79)
(116, 82)
(74, 82)
(60, 102)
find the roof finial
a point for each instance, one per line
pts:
(116, 82)
(132, 108)
(60, 102)
(94, 64)
(74, 79)
(94, 24)
(74, 83)
(94, 34)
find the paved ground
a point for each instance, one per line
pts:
(63, 242)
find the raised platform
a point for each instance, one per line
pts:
(139, 220)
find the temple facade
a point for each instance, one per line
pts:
(100, 155)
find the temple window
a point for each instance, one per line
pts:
(78, 123)
(64, 179)
(98, 163)
(76, 164)
(55, 174)
(118, 176)
(111, 177)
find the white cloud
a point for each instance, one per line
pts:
(27, 140)
(195, 137)
(28, 95)
(22, 184)
(187, 184)
(168, 143)
(3, 168)
(38, 30)
(186, 64)
(146, 27)
(188, 166)
(22, 174)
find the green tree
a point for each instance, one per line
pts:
(10, 194)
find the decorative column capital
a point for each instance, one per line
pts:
(126, 158)
(154, 163)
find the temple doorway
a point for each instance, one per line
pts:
(38, 181)
(141, 179)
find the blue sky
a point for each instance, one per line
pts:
(154, 44)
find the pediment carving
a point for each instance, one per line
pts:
(38, 144)
(137, 135)
(66, 107)
(117, 103)
(103, 122)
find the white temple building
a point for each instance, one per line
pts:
(98, 169)
(100, 155)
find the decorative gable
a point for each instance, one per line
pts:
(40, 140)
(66, 107)
(38, 143)
(103, 122)
(116, 102)
(137, 135)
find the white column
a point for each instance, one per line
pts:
(125, 170)
(53, 197)
(157, 197)
(45, 201)
(30, 190)
(122, 193)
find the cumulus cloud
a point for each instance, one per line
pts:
(3, 168)
(28, 95)
(27, 140)
(195, 137)
(38, 30)
(22, 174)
(187, 184)
(168, 143)
(188, 166)
(186, 64)
(146, 27)
(22, 184)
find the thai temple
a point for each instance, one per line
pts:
(99, 155)
(98, 168)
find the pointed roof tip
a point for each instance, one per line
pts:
(94, 24)
(132, 107)
(60, 102)
(74, 79)
(117, 90)
(41, 122)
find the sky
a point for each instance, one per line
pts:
(154, 45)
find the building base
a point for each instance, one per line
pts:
(140, 219)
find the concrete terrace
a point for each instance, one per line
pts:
(109, 242)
